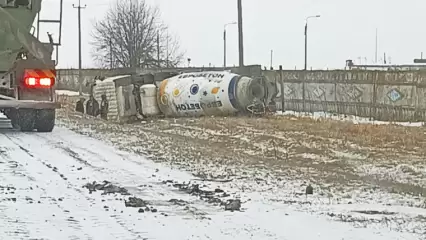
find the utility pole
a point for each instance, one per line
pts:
(224, 42)
(240, 33)
(306, 40)
(110, 54)
(375, 60)
(306, 46)
(224, 48)
(80, 77)
(167, 50)
(158, 49)
(272, 57)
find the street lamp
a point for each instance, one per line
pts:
(306, 39)
(224, 42)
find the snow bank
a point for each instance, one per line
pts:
(349, 118)
(69, 93)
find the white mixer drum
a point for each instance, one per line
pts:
(207, 93)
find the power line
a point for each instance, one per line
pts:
(80, 78)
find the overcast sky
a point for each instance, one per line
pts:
(346, 30)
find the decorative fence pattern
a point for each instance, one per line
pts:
(379, 95)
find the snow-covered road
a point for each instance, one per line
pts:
(42, 197)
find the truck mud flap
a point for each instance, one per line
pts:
(29, 104)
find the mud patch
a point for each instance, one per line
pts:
(106, 187)
(178, 202)
(135, 202)
(374, 212)
(232, 205)
(216, 196)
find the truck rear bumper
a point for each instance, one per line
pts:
(29, 104)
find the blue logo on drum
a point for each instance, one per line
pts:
(194, 89)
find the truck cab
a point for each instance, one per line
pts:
(27, 70)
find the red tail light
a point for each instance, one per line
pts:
(39, 82)
(39, 78)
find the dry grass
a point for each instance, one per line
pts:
(368, 135)
(299, 146)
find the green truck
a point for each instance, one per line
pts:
(27, 70)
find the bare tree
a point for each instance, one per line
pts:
(132, 35)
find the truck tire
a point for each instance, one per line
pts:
(12, 115)
(25, 118)
(14, 122)
(45, 121)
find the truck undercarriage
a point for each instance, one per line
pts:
(27, 71)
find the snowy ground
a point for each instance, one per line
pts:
(69, 93)
(369, 181)
(42, 198)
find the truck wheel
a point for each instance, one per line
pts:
(25, 118)
(45, 121)
(12, 115)
(14, 122)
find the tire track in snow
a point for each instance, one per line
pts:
(131, 174)
(76, 156)
(187, 211)
(125, 169)
(9, 180)
(82, 159)
(84, 214)
(34, 213)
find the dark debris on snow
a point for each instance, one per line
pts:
(135, 202)
(211, 196)
(106, 187)
(109, 188)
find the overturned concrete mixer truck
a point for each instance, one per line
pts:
(218, 93)
(194, 94)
